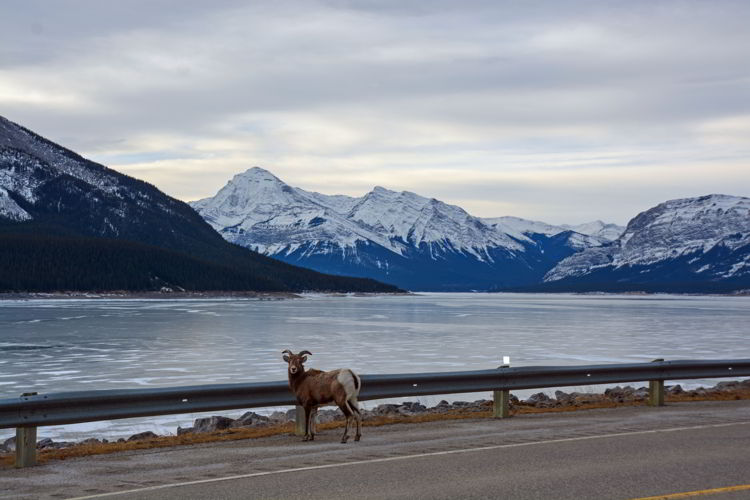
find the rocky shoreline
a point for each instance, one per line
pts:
(540, 400)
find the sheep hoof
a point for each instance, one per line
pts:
(356, 438)
(344, 440)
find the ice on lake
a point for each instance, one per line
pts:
(68, 345)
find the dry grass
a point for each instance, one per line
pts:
(83, 450)
(721, 396)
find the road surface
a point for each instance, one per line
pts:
(619, 453)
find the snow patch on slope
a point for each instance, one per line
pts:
(14, 137)
(597, 229)
(9, 209)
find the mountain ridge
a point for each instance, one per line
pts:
(703, 239)
(49, 191)
(387, 235)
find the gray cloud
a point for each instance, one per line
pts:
(352, 92)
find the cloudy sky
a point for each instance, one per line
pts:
(556, 111)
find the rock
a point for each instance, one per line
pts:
(616, 393)
(251, 419)
(413, 407)
(62, 444)
(386, 409)
(641, 394)
(674, 389)
(539, 397)
(562, 397)
(141, 436)
(93, 441)
(580, 398)
(479, 405)
(185, 430)
(627, 393)
(443, 403)
(328, 415)
(10, 444)
(282, 417)
(727, 386)
(212, 424)
(367, 414)
(44, 443)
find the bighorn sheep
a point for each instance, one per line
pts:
(314, 388)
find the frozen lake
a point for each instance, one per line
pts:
(64, 345)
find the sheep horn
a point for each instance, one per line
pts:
(302, 353)
(286, 351)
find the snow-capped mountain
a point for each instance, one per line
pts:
(521, 229)
(705, 239)
(598, 229)
(70, 223)
(258, 211)
(398, 237)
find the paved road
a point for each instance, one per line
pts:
(600, 454)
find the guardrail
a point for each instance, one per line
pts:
(30, 411)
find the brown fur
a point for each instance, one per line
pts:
(315, 387)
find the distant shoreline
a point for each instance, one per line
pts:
(177, 295)
(122, 294)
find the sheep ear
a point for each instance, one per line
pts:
(304, 358)
(286, 358)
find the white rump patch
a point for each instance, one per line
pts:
(347, 380)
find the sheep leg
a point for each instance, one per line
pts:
(357, 417)
(348, 413)
(345, 437)
(309, 436)
(307, 423)
(312, 423)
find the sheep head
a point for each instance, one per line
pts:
(295, 361)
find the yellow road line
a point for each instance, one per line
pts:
(670, 496)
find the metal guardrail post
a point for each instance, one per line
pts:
(501, 399)
(656, 393)
(26, 443)
(25, 446)
(501, 404)
(299, 421)
(656, 390)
